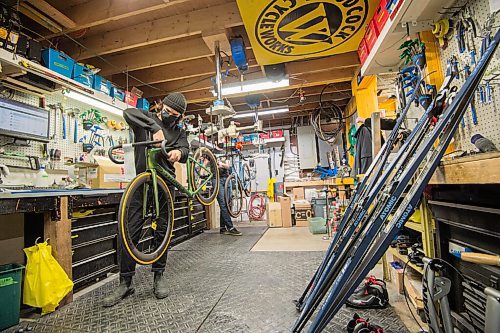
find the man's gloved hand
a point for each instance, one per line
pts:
(174, 155)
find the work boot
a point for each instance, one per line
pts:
(123, 290)
(233, 232)
(160, 286)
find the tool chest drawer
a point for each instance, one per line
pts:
(87, 270)
(94, 231)
(94, 248)
(82, 218)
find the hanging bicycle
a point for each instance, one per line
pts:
(238, 185)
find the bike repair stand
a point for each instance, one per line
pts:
(436, 289)
(326, 190)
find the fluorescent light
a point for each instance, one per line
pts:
(261, 113)
(94, 102)
(251, 86)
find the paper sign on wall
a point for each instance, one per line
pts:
(288, 30)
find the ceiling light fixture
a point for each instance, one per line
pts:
(261, 113)
(251, 86)
(94, 102)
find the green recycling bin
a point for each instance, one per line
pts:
(11, 276)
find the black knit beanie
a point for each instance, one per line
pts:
(176, 101)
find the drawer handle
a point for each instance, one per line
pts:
(74, 236)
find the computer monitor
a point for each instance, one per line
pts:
(23, 121)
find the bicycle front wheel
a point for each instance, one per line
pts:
(204, 165)
(144, 230)
(233, 194)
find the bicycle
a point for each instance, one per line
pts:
(238, 183)
(148, 199)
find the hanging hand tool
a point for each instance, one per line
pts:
(473, 102)
(63, 124)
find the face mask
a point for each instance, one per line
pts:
(169, 120)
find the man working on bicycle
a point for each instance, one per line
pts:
(226, 224)
(160, 125)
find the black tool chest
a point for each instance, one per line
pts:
(94, 232)
(467, 215)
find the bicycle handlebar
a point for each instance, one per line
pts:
(164, 148)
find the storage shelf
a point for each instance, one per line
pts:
(14, 65)
(404, 259)
(197, 142)
(420, 15)
(414, 226)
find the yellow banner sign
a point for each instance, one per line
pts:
(287, 30)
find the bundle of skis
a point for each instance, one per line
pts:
(384, 201)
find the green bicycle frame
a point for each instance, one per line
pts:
(155, 169)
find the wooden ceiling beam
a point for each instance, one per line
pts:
(162, 54)
(206, 97)
(276, 100)
(344, 60)
(177, 71)
(53, 13)
(96, 12)
(157, 31)
(299, 81)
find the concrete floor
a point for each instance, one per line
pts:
(300, 239)
(217, 284)
(291, 239)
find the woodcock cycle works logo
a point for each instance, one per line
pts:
(307, 27)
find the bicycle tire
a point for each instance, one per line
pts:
(229, 195)
(247, 180)
(138, 248)
(208, 196)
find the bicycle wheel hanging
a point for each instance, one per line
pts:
(145, 232)
(204, 163)
(233, 194)
(247, 180)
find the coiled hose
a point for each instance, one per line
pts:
(257, 207)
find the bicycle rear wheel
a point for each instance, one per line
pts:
(247, 180)
(202, 165)
(233, 194)
(145, 233)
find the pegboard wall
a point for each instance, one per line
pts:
(69, 149)
(488, 114)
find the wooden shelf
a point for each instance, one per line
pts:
(420, 15)
(404, 259)
(414, 226)
(475, 169)
(14, 65)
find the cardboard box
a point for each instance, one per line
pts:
(301, 223)
(181, 173)
(106, 175)
(273, 211)
(286, 211)
(298, 193)
(12, 239)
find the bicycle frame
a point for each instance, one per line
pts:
(155, 168)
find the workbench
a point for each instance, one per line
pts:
(82, 226)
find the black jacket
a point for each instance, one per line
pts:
(144, 123)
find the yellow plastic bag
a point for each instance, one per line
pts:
(45, 283)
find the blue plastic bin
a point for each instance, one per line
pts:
(83, 75)
(117, 94)
(102, 85)
(58, 62)
(11, 278)
(143, 103)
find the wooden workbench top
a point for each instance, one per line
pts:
(475, 169)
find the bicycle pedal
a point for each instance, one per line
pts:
(154, 225)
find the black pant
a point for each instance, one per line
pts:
(127, 263)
